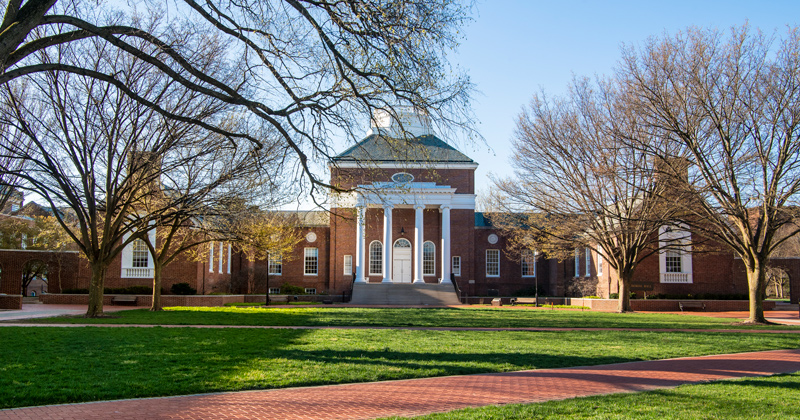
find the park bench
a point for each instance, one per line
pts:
(692, 305)
(523, 300)
(124, 300)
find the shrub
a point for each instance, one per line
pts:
(182, 289)
(131, 290)
(288, 289)
(528, 292)
(704, 296)
(616, 295)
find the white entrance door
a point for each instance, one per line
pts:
(401, 261)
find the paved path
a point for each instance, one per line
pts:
(422, 396)
(40, 310)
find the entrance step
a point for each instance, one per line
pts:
(30, 299)
(404, 294)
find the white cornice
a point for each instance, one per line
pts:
(403, 165)
(407, 198)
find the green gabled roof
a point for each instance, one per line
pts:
(378, 148)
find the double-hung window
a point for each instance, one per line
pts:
(276, 265)
(492, 263)
(311, 261)
(528, 263)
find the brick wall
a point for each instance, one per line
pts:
(293, 265)
(10, 301)
(510, 280)
(63, 268)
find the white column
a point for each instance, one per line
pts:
(387, 243)
(445, 209)
(360, 239)
(418, 238)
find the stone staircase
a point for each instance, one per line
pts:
(402, 294)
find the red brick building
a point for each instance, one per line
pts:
(411, 219)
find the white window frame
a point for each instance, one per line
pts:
(348, 265)
(599, 263)
(456, 267)
(140, 243)
(375, 259)
(311, 291)
(275, 265)
(221, 254)
(229, 258)
(428, 259)
(528, 260)
(126, 263)
(588, 262)
(307, 259)
(211, 257)
(274, 290)
(678, 240)
(672, 261)
(577, 262)
(496, 253)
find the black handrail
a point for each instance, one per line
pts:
(455, 285)
(349, 296)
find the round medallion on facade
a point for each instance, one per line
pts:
(493, 239)
(402, 177)
(311, 237)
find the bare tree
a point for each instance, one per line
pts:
(306, 68)
(777, 281)
(730, 104)
(213, 187)
(109, 158)
(576, 183)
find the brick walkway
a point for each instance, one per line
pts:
(421, 396)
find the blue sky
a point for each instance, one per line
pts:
(513, 49)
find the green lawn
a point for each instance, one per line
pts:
(403, 317)
(59, 365)
(774, 397)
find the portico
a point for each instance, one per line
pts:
(405, 194)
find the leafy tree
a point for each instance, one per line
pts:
(267, 236)
(38, 233)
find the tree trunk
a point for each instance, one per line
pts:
(156, 306)
(266, 302)
(95, 309)
(625, 291)
(756, 283)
